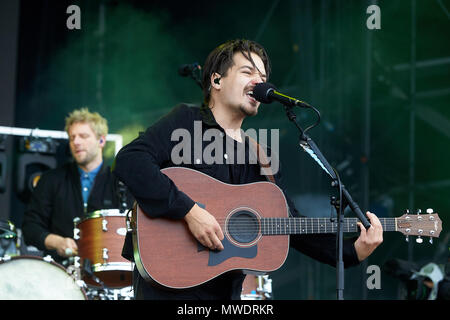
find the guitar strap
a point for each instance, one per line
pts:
(264, 163)
(262, 160)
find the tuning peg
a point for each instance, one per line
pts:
(419, 239)
(419, 211)
(407, 239)
(431, 240)
(430, 211)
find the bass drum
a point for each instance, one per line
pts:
(36, 278)
(256, 288)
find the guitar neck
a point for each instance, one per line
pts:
(284, 226)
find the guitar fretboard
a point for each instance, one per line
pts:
(283, 226)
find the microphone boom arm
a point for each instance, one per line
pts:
(309, 146)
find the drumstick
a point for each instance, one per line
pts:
(70, 252)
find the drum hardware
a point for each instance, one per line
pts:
(72, 265)
(265, 286)
(76, 262)
(122, 193)
(104, 225)
(88, 270)
(110, 294)
(7, 230)
(73, 268)
(122, 231)
(19, 240)
(9, 239)
(128, 216)
(100, 292)
(105, 255)
(257, 287)
(5, 258)
(76, 231)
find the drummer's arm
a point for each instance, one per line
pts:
(65, 247)
(36, 220)
(36, 223)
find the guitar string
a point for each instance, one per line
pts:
(298, 221)
(275, 226)
(306, 225)
(305, 221)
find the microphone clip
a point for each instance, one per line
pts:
(192, 70)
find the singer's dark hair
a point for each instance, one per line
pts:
(220, 60)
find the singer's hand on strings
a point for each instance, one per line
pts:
(369, 239)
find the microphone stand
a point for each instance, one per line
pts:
(195, 74)
(123, 205)
(345, 198)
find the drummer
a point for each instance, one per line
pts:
(78, 187)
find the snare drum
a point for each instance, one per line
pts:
(256, 288)
(100, 237)
(37, 278)
(8, 239)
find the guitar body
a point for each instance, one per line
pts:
(166, 252)
(254, 220)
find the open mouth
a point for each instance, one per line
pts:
(249, 94)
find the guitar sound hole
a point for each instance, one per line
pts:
(243, 226)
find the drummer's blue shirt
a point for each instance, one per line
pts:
(87, 181)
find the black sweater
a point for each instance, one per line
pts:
(138, 165)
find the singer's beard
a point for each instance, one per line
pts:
(248, 111)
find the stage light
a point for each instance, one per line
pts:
(38, 156)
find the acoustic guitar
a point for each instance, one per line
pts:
(256, 224)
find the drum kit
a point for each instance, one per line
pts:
(98, 272)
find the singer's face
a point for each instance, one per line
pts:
(236, 87)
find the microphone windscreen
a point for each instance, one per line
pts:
(184, 70)
(261, 92)
(187, 69)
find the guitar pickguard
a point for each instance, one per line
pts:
(216, 257)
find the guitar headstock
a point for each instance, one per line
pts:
(428, 225)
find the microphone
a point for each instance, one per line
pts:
(187, 69)
(266, 92)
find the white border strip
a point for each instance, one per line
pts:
(13, 131)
